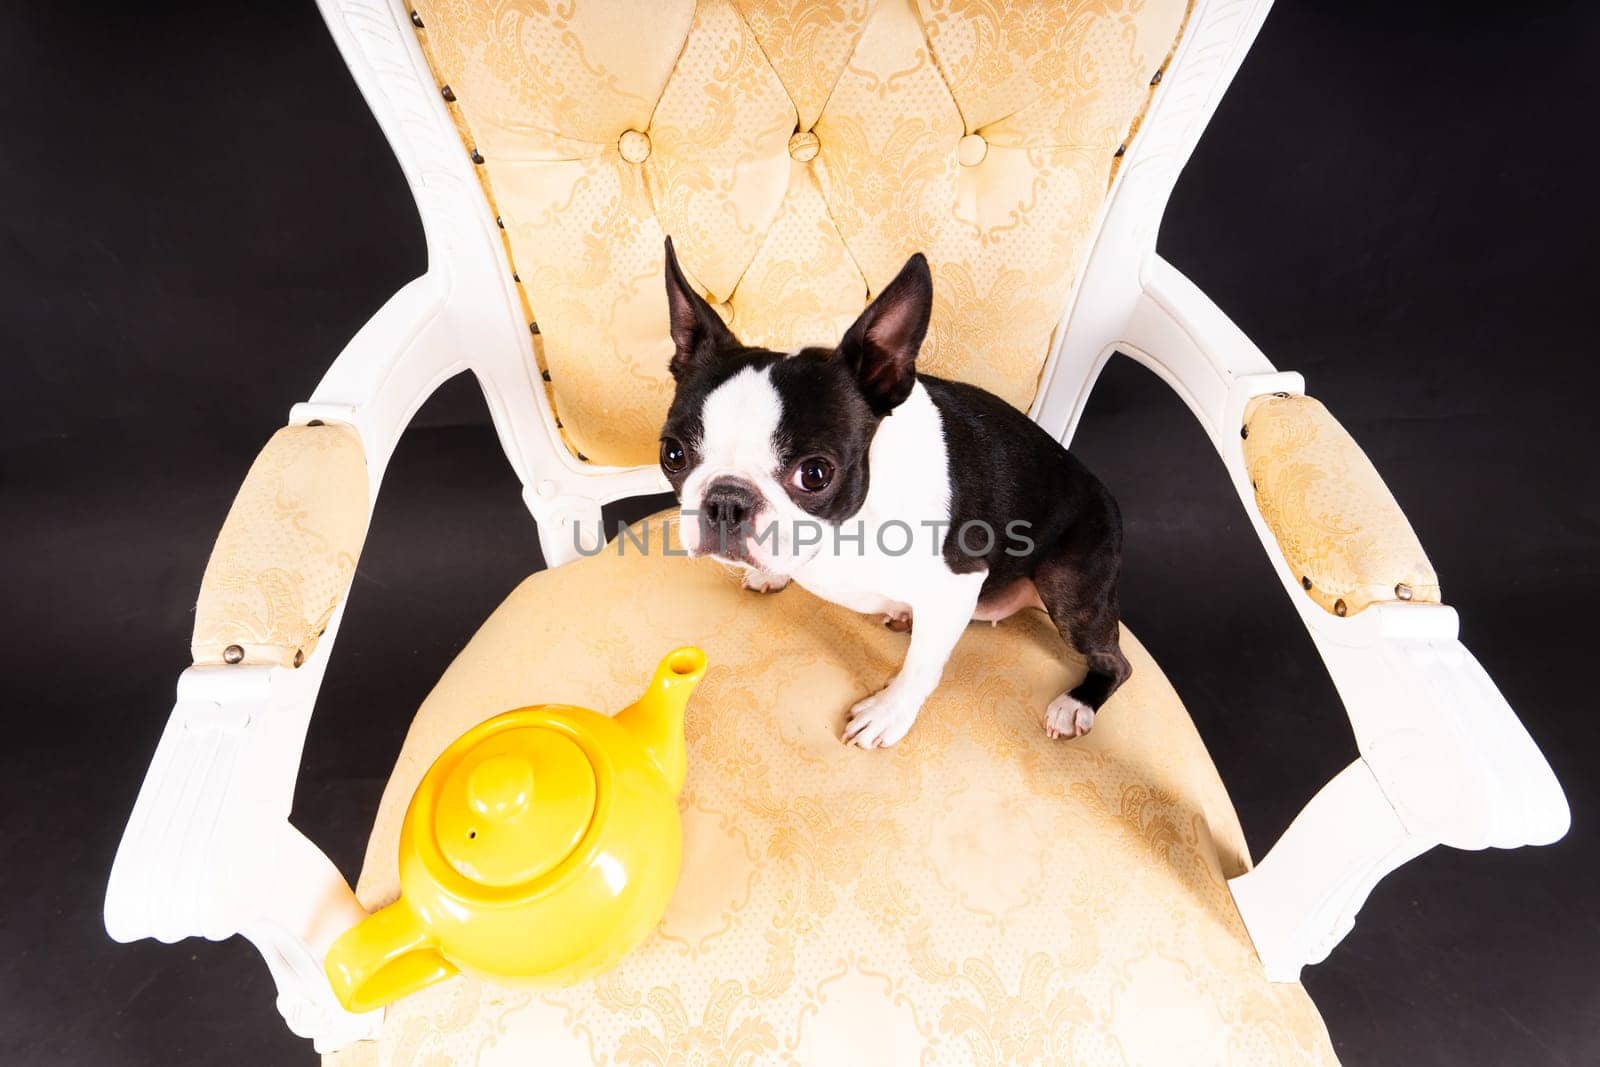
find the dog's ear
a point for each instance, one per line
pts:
(881, 348)
(698, 333)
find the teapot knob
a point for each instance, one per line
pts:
(500, 786)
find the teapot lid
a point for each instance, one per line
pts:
(514, 805)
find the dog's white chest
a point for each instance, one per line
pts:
(881, 559)
(848, 590)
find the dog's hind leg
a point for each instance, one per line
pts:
(1077, 581)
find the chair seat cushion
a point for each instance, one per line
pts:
(977, 893)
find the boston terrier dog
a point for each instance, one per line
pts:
(888, 491)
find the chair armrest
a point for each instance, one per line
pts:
(1444, 759)
(287, 550)
(209, 849)
(1336, 523)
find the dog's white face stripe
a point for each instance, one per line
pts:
(739, 419)
(739, 439)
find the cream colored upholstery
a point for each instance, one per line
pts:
(1335, 520)
(797, 153)
(287, 549)
(977, 894)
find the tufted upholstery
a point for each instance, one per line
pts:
(287, 549)
(977, 894)
(1336, 523)
(797, 153)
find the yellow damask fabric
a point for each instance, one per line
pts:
(287, 549)
(1336, 523)
(976, 894)
(797, 153)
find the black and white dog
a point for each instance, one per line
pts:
(886, 491)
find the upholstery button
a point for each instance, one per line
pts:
(803, 146)
(634, 146)
(971, 150)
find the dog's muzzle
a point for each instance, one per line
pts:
(727, 517)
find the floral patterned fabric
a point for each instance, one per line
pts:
(797, 153)
(1336, 523)
(287, 550)
(976, 894)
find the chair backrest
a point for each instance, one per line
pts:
(797, 153)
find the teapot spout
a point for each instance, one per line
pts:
(656, 718)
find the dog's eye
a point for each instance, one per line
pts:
(813, 475)
(673, 456)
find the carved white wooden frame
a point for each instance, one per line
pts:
(210, 850)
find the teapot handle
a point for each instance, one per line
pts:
(386, 956)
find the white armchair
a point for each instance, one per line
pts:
(210, 850)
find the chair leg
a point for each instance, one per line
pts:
(311, 906)
(1302, 898)
(209, 850)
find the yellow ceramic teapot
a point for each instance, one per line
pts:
(540, 848)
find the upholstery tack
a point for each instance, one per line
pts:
(634, 146)
(804, 146)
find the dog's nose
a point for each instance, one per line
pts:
(729, 503)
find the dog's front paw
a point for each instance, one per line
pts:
(880, 720)
(1067, 717)
(762, 582)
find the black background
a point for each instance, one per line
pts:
(196, 211)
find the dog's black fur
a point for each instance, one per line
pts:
(1003, 464)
